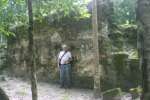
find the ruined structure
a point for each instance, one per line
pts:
(48, 37)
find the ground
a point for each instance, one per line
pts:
(18, 89)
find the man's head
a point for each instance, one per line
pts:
(65, 47)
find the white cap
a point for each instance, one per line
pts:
(64, 46)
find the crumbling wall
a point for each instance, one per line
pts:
(48, 40)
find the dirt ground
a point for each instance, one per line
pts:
(20, 90)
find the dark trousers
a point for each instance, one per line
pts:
(65, 75)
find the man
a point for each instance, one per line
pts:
(64, 59)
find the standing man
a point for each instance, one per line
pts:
(64, 59)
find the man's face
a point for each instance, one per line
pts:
(65, 48)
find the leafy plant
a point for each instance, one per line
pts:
(14, 12)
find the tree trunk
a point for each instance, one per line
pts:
(143, 16)
(97, 68)
(31, 53)
(3, 95)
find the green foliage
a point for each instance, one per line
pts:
(123, 25)
(5, 32)
(124, 11)
(14, 12)
(58, 9)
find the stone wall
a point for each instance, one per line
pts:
(48, 38)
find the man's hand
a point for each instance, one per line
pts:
(68, 62)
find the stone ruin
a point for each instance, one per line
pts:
(48, 38)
